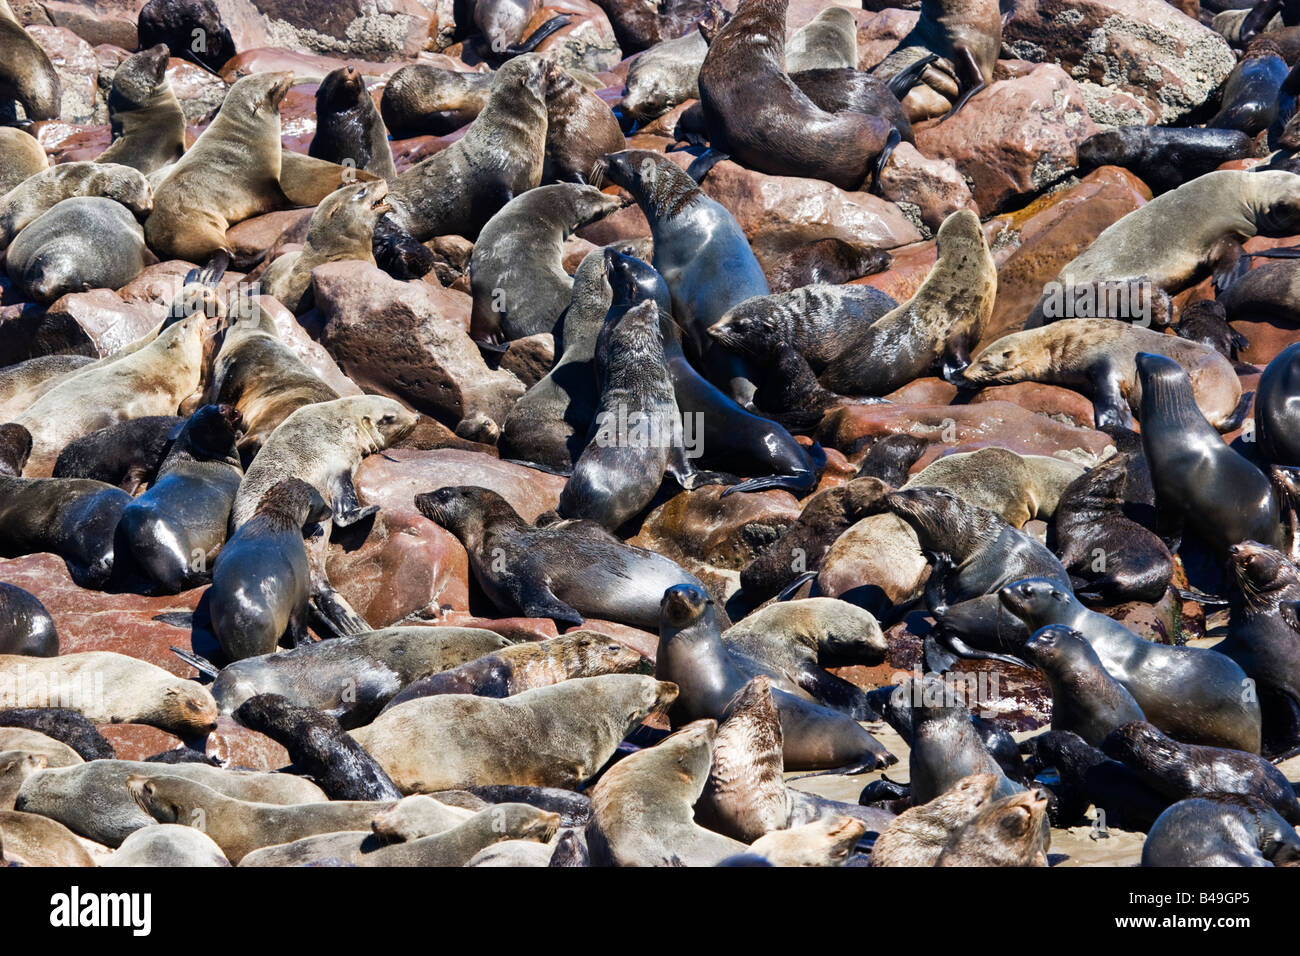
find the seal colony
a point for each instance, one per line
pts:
(625, 436)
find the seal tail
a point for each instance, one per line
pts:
(201, 664)
(538, 35)
(905, 79)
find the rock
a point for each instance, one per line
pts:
(393, 479)
(375, 29)
(1062, 404)
(726, 533)
(137, 741)
(407, 340)
(68, 143)
(252, 238)
(29, 331)
(237, 746)
(74, 61)
(586, 42)
(159, 283)
(200, 92)
(529, 359)
(1140, 47)
(107, 320)
(95, 21)
(878, 37)
(929, 189)
(405, 567)
(931, 390)
(1014, 138)
(309, 352)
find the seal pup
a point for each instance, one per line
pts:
(25, 626)
(238, 826)
(516, 270)
(788, 135)
(1192, 693)
(60, 724)
(641, 807)
(829, 261)
(935, 328)
(891, 457)
(1186, 770)
(1085, 698)
(71, 517)
(966, 36)
(151, 380)
(1221, 830)
(125, 690)
(566, 570)
(146, 119)
(319, 747)
(175, 528)
(126, 454)
(520, 667)
(691, 654)
(261, 580)
(619, 472)
(179, 24)
(1249, 101)
(82, 243)
(457, 190)
(918, 835)
(231, 173)
(1087, 777)
(705, 279)
(1098, 357)
(580, 128)
(555, 736)
(349, 678)
(167, 844)
(41, 192)
(341, 228)
(1164, 157)
(27, 75)
(424, 100)
(1012, 831)
(349, 129)
(1201, 483)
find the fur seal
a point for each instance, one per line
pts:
(82, 243)
(1221, 830)
(516, 271)
(825, 842)
(966, 35)
(1181, 770)
(417, 816)
(21, 156)
(113, 689)
(341, 228)
(1201, 483)
(1263, 641)
(1017, 487)
(91, 799)
(787, 135)
(126, 454)
(1087, 777)
(580, 129)
(977, 553)
(146, 119)
(945, 746)
(1012, 831)
(350, 678)
(521, 667)
(60, 724)
(802, 546)
(320, 747)
(192, 29)
(23, 383)
(1099, 358)
(167, 844)
(1275, 408)
(1110, 557)
(556, 736)
(566, 571)
(457, 190)
(1249, 101)
(261, 579)
(641, 807)
(700, 251)
(636, 423)
(918, 835)
(27, 75)
(29, 839)
(935, 328)
(25, 626)
(15, 767)
(41, 192)
(1194, 694)
(692, 655)
(71, 517)
(349, 129)
(1165, 157)
(663, 77)
(1085, 698)
(240, 827)
(152, 380)
(1213, 214)
(640, 27)
(829, 261)
(424, 100)
(230, 174)
(891, 457)
(175, 528)
(1206, 322)
(828, 40)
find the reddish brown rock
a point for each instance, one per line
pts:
(74, 61)
(95, 21)
(107, 320)
(137, 741)
(927, 190)
(1062, 404)
(393, 479)
(924, 391)
(250, 239)
(724, 532)
(511, 628)
(878, 37)
(1014, 138)
(200, 93)
(82, 145)
(838, 471)
(530, 359)
(1141, 47)
(27, 332)
(405, 567)
(586, 42)
(237, 746)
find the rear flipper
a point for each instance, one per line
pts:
(201, 664)
(536, 599)
(878, 169)
(905, 79)
(348, 509)
(878, 791)
(335, 616)
(1233, 421)
(968, 73)
(800, 481)
(789, 590)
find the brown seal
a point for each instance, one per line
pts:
(423, 100)
(1007, 832)
(918, 835)
(21, 155)
(580, 128)
(42, 191)
(147, 121)
(26, 73)
(349, 130)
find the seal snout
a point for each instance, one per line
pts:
(682, 604)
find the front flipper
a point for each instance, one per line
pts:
(966, 652)
(905, 79)
(878, 169)
(836, 693)
(878, 791)
(348, 509)
(1109, 406)
(698, 169)
(683, 471)
(1228, 263)
(969, 75)
(801, 481)
(536, 599)
(789, 590)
